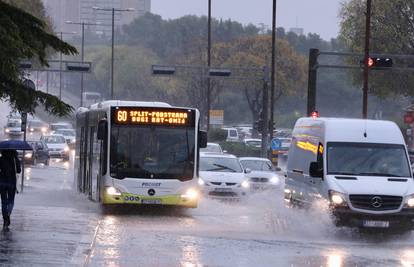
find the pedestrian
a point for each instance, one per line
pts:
(9, 166)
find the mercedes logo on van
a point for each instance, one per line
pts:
(376, 202)
(151, 192)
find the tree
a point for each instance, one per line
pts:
(23, 36)
(392, 31)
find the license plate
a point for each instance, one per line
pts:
(223, 189)
(151, 201)
(258, 187)
(376, 224)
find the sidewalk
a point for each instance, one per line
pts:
(51, 225)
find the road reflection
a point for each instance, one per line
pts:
(335, 259)
(407, 258)
(190, 256)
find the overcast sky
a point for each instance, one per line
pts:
(317, 16)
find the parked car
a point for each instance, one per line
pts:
(222, 176)
(212, 147)
(69, 134)
(37, 126)
(261, 173)
(253, 142)
(58, 148)
(39, 154)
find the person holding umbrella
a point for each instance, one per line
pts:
(9, 166)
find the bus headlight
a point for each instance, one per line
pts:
(245, 184)
(112, 191)
(190, 194)
(337, 199)
(409, 203)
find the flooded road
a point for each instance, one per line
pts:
(66, 229)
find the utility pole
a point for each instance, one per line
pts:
(112, 53)
(209, 65)
(265, 111)
(82, 59)
(273, 71)
(60, 68)
(366, 59)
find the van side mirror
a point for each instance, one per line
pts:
(247, 170)
(202, 139)
(315, 171)
(102, 129)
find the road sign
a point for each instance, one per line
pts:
(216, 117)
(276, 144)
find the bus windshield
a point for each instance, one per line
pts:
(155, 152)
(367, 159)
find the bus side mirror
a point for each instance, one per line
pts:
(102, 129)
(315, 171)
(202, 139)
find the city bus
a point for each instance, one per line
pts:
(138, 153)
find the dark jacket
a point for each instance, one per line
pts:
(9, 166)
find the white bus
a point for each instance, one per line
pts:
(138, 153)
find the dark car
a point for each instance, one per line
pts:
(39, 154)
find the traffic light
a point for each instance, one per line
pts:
(314, 114)
(378, 62)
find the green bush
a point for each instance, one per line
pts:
(240, 149)
(217, 135)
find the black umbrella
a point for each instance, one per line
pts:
(15, 145)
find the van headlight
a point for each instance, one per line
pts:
(190, 194)
(337, 199)
(112, 191)
(245, 184)
(409, 203)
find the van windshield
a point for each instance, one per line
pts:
(367, 159)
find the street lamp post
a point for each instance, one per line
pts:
(209, 64)
(82, 49)
(113, 10)
(60, 59)
(273, 71)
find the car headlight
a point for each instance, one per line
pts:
(190, 194)
(274, 180)
(201, 182)
(66, 149)
(7, 130)
(112, 191)
(409, 203)
(28, 155)
(31, 129)
(337, 199)
(245, 184)
(43, 129)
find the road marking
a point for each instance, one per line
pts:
(92, 246)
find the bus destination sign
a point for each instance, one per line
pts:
(152, 116)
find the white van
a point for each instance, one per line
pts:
(232, 135)
(359, 166)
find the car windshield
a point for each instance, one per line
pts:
(233, 133)
(13, 124)
(220, 164)
(37, 124)
(212, 148)
(60, 126)
(367, 159)
(152, 152)
(66, 132)
(257, 165)
(54, 139)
